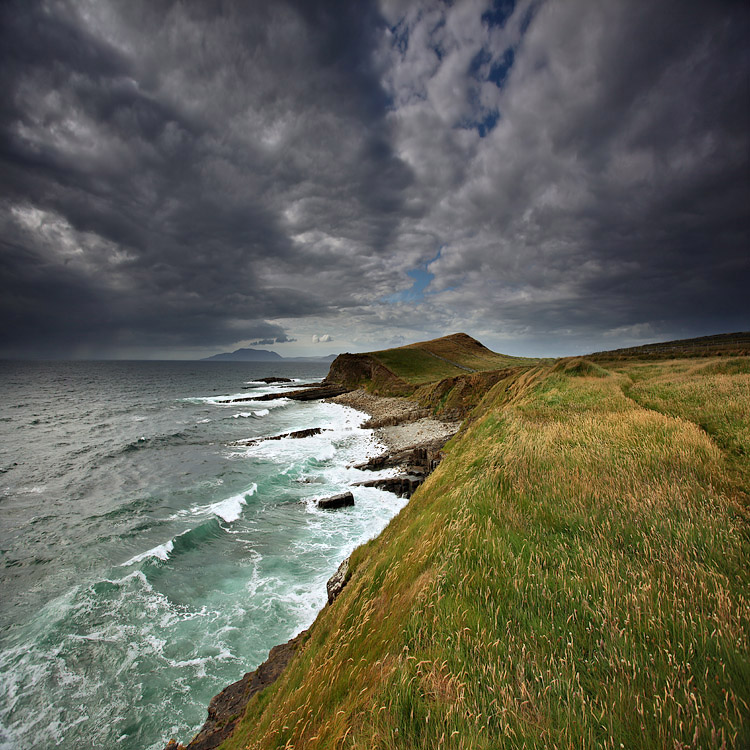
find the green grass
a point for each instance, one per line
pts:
(715, 395)
(446, 357)
(575, 574)
(416, 366)
(464, 350)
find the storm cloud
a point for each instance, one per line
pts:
(181, 178)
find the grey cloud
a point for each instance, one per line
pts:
(612, 192)
(281, 339)
(201, 145)
(179, 175)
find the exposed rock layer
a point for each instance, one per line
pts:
(418, 462)
(327, 390)
(337, 581)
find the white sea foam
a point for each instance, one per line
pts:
(161, 551)
(231, 508)
(247, 398)
(36, 489)
(159, 631)
(6, 739)
(342, 440)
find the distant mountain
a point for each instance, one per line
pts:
(263, 355)
(326, 358)
(246, 355)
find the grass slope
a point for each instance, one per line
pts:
(574, 574)
(449, 356)
(722, 344)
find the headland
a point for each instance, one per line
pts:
(571, 570)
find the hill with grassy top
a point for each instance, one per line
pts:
(574, 574)
(399, 371)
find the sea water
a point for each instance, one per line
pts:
(148, 559)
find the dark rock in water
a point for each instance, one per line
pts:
(308, 394)
(296, 434)
(404, 485)
(418, 462)
(343, 500)
(226, 708)
(337, 581)
(419, 459)
(270, 380)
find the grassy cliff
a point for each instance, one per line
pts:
(574, 574)
(397, 372)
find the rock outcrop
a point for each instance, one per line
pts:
(297, 434)
(403, 485)
(418, 462)
(419, 459)
(337, 581)
(344, 500)
(355, 370)
(327, 390)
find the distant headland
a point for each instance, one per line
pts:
(262, 355)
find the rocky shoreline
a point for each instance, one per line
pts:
(414, 443)
(399, 424)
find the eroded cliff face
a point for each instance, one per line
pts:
(454, 398)
(364, 371)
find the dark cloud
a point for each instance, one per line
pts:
(165, 165)
(183, 177)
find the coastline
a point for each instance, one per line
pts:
(398, 423)
(413, 442)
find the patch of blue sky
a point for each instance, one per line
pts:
(400, 36)
(422, 278)
(499, 14)
(528, 16)
(483, 119)
(484, 67)
(500, 69)
(478, 63)
(487, 124)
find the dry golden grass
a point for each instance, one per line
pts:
(574, 574)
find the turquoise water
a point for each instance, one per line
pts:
(146, 561)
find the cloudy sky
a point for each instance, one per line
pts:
(183, 178)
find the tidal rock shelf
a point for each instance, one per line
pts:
(296, 435)
(312, 393)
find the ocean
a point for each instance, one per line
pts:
(146, 560)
